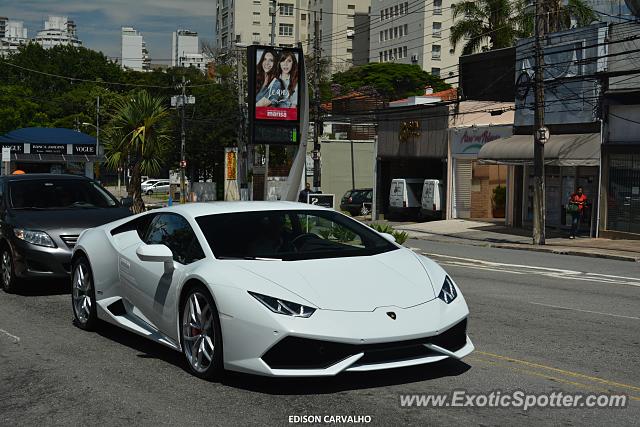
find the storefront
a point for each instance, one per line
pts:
(571, 160)
(50, 150)
(477, 190)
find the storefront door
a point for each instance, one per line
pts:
(623, 201)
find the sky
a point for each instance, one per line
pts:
(99, 21)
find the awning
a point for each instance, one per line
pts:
(561, 150)
(48, 158)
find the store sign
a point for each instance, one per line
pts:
(48, 149)
(471, 139)
(15, 148)
(89, 150)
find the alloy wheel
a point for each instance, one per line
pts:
(7, 269)
(82, 293)
(198, 332)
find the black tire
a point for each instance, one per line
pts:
(10, 282)
(87, 319)
(149, 192)
(216, 366)
(353, 213)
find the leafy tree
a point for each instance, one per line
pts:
(138, 130)
(392, 81)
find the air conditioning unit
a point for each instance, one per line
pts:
(341, 135)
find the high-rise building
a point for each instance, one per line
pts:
(185, 50)
(58, 30)
(249, 22)
(134, 54)
(410, 32)
(341, 39)
(13, 34)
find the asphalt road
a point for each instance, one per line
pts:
(540, 323)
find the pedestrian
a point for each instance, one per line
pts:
(576, 205)
(302, 197)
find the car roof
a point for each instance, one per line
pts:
(213, 208)
(38, 176)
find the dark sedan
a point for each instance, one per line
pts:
(41, 217)
(357, 201)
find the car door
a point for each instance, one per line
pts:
(155, 295)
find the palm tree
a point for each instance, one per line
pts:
(139, 131)
(496, 21)
(502, 22)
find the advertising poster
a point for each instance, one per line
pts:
(231, 165)
(277, 80)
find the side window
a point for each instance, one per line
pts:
(175, 232)
(140, 224)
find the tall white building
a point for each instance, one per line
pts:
(341, 38)
(134, 52)
(414, 33)
(58, 30)
(13, 34)
(249, 22)
(185, 50)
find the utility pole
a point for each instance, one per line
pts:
(183, 160)
(272, 12)
(540, 132)
(316, 94)
(243, 166)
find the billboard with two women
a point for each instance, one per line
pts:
(275, 79)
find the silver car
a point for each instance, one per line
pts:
(160, 187)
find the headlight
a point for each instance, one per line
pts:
(281, 306)
(448, 292)
(39, 238)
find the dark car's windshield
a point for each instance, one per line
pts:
(58, 193)
(289, 235)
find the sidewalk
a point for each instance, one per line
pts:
(498, 236)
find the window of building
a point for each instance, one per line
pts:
(286, 9)
(395, 53)
(401, 8)
(406, 28)
(351, 6)
(404, 51)
(386, 56)
(381, 36)
(256, 22)
(437, 29)
(380, 56)
(285, 30)
(400, 31)
(386, 35)
(395, 10)
(435, 72)
(435, 51)
(437, 7)
(303, 16)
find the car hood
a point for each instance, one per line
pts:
(396, 278)
(66, 219)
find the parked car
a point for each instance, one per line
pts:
(432, 199)
(404, 197)
(357, 201)
(289, 289)
(148, 183)
(160, 187)
(42, 216)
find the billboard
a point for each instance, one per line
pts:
(276, 80)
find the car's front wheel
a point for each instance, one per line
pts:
(83, 295)
(9, 279)
(201, 334)
(149, 192)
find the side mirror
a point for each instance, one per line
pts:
(389, 237)
(126, 202)
(154, 253)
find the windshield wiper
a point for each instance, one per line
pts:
(29, 208)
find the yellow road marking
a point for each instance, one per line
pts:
(562, 371)
(547, 376)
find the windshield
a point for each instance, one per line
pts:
(289, 235)
(58, 194)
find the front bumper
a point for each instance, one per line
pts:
(331, 342)
(32, 261)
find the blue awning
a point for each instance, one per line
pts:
(47, 136)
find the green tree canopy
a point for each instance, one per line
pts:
(392, 81)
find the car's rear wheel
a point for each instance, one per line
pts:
(149, 192)
(9, 279)
(201, 335)
(83, 295)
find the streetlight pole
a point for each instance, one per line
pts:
(183, 160)
(539, 130)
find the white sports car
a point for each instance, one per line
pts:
(269, 288)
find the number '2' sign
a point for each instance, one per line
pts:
(324, 200)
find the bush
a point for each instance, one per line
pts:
(400, 236)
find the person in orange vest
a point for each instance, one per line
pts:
(577, 202)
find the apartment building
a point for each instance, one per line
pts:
(134, 53)
(58, 30)
(344, 30)
(249, 22)
(185, 50)
(414, 32)
(13, 34)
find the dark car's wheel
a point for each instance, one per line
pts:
(83, 295)
(149, 192)
(9, 279)
(201, 335)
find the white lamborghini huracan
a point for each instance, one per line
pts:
(270, 288)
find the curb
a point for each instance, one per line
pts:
(523, 247)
